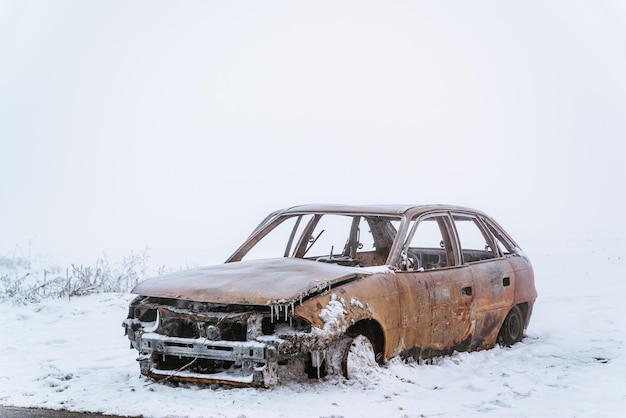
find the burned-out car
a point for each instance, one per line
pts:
(316, 288)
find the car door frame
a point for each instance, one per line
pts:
(494, 286)
(436, 304)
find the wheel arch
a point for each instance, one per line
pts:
(513, 327)
(374, 332)
(524, 307)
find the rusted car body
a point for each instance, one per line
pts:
(416, 281)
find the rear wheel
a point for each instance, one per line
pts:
(512, 329)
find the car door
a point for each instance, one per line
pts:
(436, 290)
(493, 277)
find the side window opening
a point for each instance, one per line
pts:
(476, 243)
(504, 245)
(426, 248)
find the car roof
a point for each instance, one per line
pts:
(385, 209)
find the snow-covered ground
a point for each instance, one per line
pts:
(72, 354)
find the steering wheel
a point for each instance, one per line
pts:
(413, 261)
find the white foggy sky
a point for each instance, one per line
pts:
(178, 125)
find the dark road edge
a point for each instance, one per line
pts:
(15, 412)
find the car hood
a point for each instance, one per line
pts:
(256, 282)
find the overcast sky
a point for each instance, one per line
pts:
(177, 126)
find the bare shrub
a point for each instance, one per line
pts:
(24, 286)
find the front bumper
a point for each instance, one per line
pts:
(238, 363)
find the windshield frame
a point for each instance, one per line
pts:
(296, 245)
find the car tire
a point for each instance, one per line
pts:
(359, 358)
(512, 330)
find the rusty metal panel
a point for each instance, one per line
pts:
(373, 298)
(416, 312)
(525, 290)
(257, 282)
(451, 295)
(494, 288)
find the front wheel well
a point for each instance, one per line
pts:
(374, 332)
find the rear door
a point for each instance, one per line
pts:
(493, 277)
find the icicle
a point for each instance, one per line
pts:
(318, 363)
